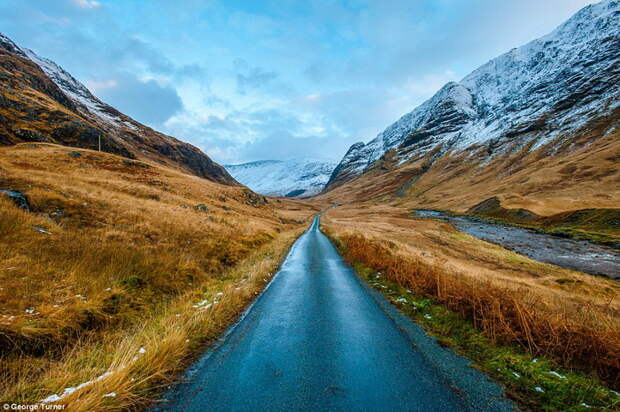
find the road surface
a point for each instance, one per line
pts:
(319, 340)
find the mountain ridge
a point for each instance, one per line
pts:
(529, 96)
(42, 102)
(298, 177)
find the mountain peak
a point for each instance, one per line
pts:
(66, 112)
(537, 93)
(298, 177)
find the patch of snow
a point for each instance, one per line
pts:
(302, 177)
(41, 230)
(70, 390)
(538, 92)
(539, 389)
(76, 90)
(556, 375)
(201, 303)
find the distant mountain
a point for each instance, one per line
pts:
(301, 177)
(540, 95)
(41, 102)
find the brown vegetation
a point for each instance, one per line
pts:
(570, 317)
(583, 175)
(117, 255)
(34, 109)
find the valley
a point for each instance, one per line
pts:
(578, 255)
(465, 258)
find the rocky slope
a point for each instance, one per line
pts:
(541, 96)
(41, 102)
(292, 178)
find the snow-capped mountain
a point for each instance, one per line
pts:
(533, 96)
(301, 177)
(40, 101)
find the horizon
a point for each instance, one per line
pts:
(242, 97)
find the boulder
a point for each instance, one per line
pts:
(20, 199)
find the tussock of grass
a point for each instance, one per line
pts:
(482, 318)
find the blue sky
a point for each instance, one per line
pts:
(251, 80)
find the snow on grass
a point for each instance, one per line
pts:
(70, 390)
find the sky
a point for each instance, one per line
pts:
(249, 80)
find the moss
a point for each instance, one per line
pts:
(536, 383)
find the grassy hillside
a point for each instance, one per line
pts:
(541, 182)
(498, 307)
(33, 108)
(122, 269)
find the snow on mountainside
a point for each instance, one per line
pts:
(76, 90)
(525, 98)
(292, 178)
(40, 101)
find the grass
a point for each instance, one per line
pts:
(496, 329)
(578, 177)
(595, 225)
(130, 263)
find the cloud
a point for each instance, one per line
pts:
(282, 145)
(87, 4)
(146, 101)
(252, 78)
(260, 134)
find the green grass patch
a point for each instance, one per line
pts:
(536, 383)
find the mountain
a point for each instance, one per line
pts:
(41, 102)
(542, 96)
(301, 177)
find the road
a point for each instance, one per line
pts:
(318, 339)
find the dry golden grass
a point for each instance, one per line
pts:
(569, 316)
(585, 177)
(128, 259)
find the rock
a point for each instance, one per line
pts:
(202, 208)
(20, 200)
(29, 135)
(254, 199)
(136, 164)
(75, 155)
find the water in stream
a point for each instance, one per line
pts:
(573, 254)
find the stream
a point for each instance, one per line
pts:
(579, 255)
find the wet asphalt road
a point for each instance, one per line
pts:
(319, 340)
